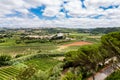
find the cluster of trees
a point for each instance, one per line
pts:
(91, 58)
(111, 42)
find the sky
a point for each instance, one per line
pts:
(60, 13)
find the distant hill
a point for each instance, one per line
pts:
(105, 30)
(79, 30)
(65, 30)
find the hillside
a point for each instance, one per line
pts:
(32, 53)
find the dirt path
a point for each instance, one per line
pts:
(73, 44)
(102, 74)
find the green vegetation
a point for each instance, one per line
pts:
(8, 73)
(114, 76)
(27, 49)
(4, 59)
(43, 63)
(87, 58)
(111, 42)
(27, 73)
(72, 75)
(20, 69)
(32, 54)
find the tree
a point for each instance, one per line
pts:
(87, 57)
(111, 42)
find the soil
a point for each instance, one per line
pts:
(74, 44)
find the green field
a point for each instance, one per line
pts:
(10, 47)
(8, 73)
(26, 49)
(42, 63)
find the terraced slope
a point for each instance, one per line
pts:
(8, 72)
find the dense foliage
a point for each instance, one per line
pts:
(4, 59)
(89, 58)
(111, 42)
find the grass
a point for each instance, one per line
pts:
(8, 42)
(43, 63)
(70, 48)
(80, 34)
(28, 48)
(85, 37)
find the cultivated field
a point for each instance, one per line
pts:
(27, 51)
(73, 44)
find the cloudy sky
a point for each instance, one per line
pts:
(60, 13)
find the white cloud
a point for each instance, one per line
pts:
(51, 11)
(60, 15)
(74, 7)
(70, 23)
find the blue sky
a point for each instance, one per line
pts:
(60, 13)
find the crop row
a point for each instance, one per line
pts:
(8, 73)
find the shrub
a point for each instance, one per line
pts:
(73, 74)
(40, 75)
(55, 72)
(4, 59)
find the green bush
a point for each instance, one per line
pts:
(69, 76)
(40, 75)
(72, 76)
(4, 59)
(55, 72)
